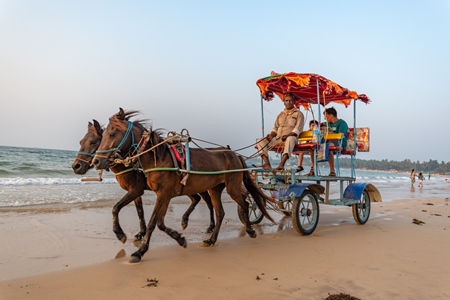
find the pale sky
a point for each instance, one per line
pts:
(194, 65)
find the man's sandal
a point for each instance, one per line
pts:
(299, 169)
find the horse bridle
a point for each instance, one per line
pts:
(119, 147)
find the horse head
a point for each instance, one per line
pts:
(88, 145)
(119, 138)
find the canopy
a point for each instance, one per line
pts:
(304, 88)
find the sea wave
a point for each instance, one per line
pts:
(49, 181)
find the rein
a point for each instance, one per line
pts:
(174, 138)
(87, 153)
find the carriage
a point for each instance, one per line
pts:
(143, 159)
(298, 195)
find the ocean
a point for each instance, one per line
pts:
(34, 177)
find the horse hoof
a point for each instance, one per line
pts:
(184, 225)
(207, 243)
(138, 237)
(252, 234)
(182, 242)
(134, 259)
(121, 237)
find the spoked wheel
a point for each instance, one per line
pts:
(361, 210)
(255, 215)
(305, 213)
(286, 207)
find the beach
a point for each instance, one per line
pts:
(71, 252)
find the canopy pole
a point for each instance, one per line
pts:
(262, 116)
(316, 171)
(352, 157)
(318, 101)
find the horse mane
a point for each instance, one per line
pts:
(155, 137)
(121, 119)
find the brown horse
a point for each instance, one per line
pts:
(131, 180)
(166, 183)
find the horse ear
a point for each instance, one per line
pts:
(121, 114)
(97, 126)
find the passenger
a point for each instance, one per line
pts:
(421, 178)
(288, 125)
(334, 125)
(300, 156)
(412, 177)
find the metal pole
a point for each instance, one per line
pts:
(354, 140)
(318, 100)
(262, 123)
(262, 116)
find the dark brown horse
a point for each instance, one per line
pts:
(208, 172)
(131, 180)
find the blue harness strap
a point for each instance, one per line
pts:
(125, 137)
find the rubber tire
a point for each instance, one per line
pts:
(361, 210)
(254, 213)
(307, 201)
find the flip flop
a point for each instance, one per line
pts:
(299, 169)
(332, 174)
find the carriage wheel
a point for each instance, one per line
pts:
(286, 207)
(255, 215)
(361, 210)
(305, 213)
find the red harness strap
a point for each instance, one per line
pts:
(179, 152)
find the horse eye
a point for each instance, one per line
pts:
(93, 142)
(112, 134)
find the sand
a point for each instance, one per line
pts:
(60, 253)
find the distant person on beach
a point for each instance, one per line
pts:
(334, 125)
(300, 156)
(413, 177)
(288, 125)
(429, 175)
(421, 178)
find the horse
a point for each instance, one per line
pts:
(133, 181)
(158, 165)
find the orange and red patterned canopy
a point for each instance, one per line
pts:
(304, 87)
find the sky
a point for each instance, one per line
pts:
(194, 65)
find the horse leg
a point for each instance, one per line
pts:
(130, 196)
(157, 217)
(216, 194)
(195, 199)
(236, 194)
(208, 201)
(140, 213)
(172, 233)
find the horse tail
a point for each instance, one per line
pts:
(256, 193)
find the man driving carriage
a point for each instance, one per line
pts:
(288, 126)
